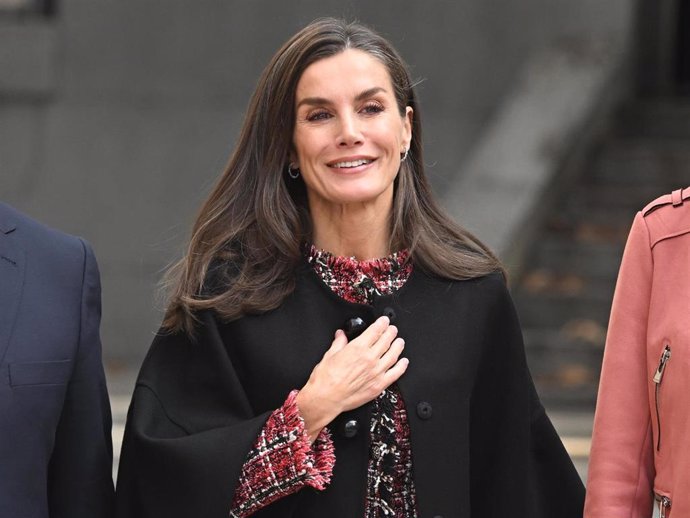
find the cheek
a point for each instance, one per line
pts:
(390, 136)
(308, 146)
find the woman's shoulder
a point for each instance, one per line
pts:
(173, 353)
(491, 280)
(482, 289)
(667, 216)
(493, 288)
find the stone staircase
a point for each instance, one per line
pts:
(564, 292)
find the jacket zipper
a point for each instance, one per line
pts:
(664, 505)
(658, 376)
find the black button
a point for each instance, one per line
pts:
(353, 327)
(438, 516)
(350, 428)
(424, 410)
(390, 313)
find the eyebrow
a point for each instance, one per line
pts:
(322, 100)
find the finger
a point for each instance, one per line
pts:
(384, 341)
(372, 333)
(393, 374)
(391, 356)
(339, 341)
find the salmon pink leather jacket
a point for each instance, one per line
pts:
(641, 441)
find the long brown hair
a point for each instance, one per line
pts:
(248, 234)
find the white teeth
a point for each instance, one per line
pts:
(354, 163)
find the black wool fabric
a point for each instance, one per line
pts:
(481, 441)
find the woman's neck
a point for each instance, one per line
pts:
(351, 230)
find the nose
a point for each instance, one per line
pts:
(350, 133)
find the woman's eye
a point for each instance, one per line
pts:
(372, 108)
(318, 116)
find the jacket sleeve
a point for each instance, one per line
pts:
(621, 468)
(189, 429)
(282, 461)
(80, 471)
(518, 465)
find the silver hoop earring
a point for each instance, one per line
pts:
(293, 172)
(403, 155)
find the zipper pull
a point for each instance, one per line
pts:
(664, 505)
(665, 356)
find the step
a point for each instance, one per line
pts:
(583, 397)
(565, 363)
(570, 219)
(554, 310)
(557, 256)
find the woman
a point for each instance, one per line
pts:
(277, 386)
(642, 422)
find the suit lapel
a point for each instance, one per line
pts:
(12, 268)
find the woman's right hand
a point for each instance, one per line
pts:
(351, 374)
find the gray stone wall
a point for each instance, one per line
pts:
(117, 115)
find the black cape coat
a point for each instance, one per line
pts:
(482, 444)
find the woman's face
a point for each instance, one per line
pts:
(349, 134)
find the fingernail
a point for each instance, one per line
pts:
(384, 319)
(338, 332)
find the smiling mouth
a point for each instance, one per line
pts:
(351, 164)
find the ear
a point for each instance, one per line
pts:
(292, 158)
(407, 126)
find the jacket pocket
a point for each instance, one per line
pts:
(27, 374)
(657, 379)
(663, 501)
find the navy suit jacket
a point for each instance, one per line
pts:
(55, 443)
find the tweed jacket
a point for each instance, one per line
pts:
(642, 423)
(481, 442)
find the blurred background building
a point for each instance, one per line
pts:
(547, 124)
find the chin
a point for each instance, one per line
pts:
(358, 196)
